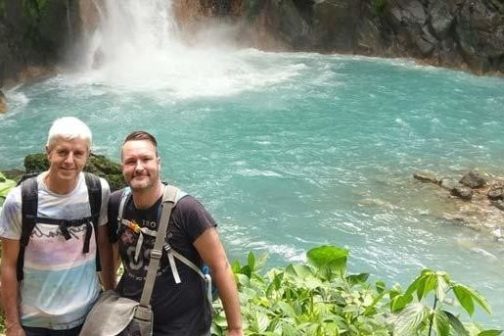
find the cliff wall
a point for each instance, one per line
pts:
(452, 33)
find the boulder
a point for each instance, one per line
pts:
(426, 177)
(462, 192)
(473, 180)
(496, 192)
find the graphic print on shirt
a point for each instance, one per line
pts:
(137, 242)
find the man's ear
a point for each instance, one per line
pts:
(47, 150)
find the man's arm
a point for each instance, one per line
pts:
(107, 274)
(10, 287)
(212, 252)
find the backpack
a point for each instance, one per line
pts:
(29, 205)
(172, 254)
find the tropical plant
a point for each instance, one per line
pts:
(415, 316)
(320, 298)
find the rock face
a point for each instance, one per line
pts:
(33, 37)
(452, 33)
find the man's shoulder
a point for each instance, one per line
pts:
(115, 197)
(13, 198)
(188, 204)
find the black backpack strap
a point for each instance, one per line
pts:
(29, 203)
(95, 200)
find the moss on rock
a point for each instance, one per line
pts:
(97, 164)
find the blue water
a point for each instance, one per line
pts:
(291, 151)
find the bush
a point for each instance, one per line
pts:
(320, 298)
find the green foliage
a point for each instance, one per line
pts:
(34, 8)
(415, 316)
(5, 186)
(319, 299)
(2, 8)
(379, 6)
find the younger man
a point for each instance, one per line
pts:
(180, 308)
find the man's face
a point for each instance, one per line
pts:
(140, 164)
(67, 158)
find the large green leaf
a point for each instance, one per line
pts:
(428, 284)
(464, 297)
(478, 298)
(327, 256)
(457, 326)
(251, 261)
(299, 270)
(287, 309)
(409, 320)
(441, 323)
(490, 332)
(355, 279)
(399, 302)
(418, 283)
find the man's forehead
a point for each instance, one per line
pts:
(68, 143)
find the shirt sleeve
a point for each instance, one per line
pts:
(10, 215)
(112, 210)
(105, 189)
(194, 217)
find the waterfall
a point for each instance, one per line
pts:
(137, 46)
(132, 30)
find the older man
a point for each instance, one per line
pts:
(48, 229)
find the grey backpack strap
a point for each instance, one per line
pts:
(169, 197)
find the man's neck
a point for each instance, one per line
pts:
(146, 198)
(59, 186)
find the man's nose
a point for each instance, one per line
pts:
(69, 158)
(139, 165)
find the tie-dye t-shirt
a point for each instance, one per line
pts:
(60, 282)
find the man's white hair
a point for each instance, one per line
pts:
(69, 128)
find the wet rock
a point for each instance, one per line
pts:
(426, 177)
(441, 17)
(448, 183)
(334, 24)
(462, 192)
(499, 204)
(473, 180)
(495, 193)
